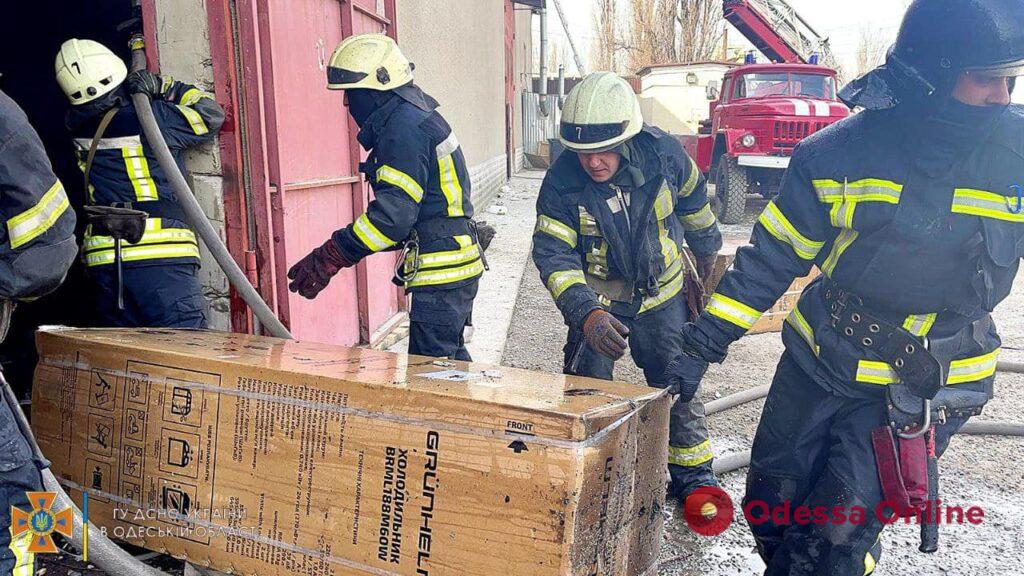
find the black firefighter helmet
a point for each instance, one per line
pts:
(939, 40)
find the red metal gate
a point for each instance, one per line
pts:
(292, 164)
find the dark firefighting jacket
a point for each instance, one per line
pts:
(37, 240)
(422, 195)
(589, 258)
(125, 169)
(918, 217)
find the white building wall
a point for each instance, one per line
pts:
(674, 104)
(459, 51)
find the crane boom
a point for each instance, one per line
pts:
(572, 44)
(778, 31)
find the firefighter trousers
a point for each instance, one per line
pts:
(655, 338)
(18, 475)
(437, 320)
(155, 296)
(813, 448)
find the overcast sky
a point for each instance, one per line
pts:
(840, 20)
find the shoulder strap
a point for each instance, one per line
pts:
(104, 123)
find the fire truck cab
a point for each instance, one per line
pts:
(761, 112)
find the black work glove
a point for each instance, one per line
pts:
(605, 334)
(145, 82)
(312, 274)
(705, 267)
(121, 222)
(683, 375)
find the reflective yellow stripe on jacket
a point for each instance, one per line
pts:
(467, 252)
(691, 181)
(450, 185)
(960, 371)
(157, 243)
(986, 204)
(24, 561)
(30, 224)
(560, 281)
(446, 275)
(799, 323)
(402, 180)
(845, 197)
(776, 223)
(138, 173)
(919, 324)
(670, 283)
(370, 235)
(556, 229)
(194, 119)
(699, 220)
(733, 311)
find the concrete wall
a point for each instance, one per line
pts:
(184, 43)
(671, 103)
(458, 47)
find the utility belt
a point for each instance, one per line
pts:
(445, 267)
(905, 449)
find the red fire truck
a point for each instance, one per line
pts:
(762, 111)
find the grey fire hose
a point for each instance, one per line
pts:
(194, 212)
(738, 460)
(103, 552)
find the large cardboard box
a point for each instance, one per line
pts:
(773, 318)
(263, 456)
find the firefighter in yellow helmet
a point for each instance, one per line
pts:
(612, 216)
(422, 205)
(144, 270)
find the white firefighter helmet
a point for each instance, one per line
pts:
(371, 61)
(600, 113)
(87, 70)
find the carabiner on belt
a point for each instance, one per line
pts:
(410, 254)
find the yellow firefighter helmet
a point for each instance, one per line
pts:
(87, 70)
(371, 61)
(600, 113)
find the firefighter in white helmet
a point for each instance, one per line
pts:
(612, 215)
(141, 256)
(422, 198)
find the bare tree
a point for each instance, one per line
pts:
(871, 49)
(699, 24)
(608, 43)
(656, 31)
(652, 33)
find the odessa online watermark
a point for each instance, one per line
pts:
(709, 511)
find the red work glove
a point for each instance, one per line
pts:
(312, 274)
(605, 334)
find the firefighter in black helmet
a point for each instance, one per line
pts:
(910, 209)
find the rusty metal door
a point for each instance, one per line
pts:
(382, 300)
(302, 158)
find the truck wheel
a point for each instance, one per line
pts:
(731, 185)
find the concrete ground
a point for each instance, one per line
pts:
(977, 471)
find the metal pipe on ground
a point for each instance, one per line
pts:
(194, 212)
(758, 392)
(737, 460)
